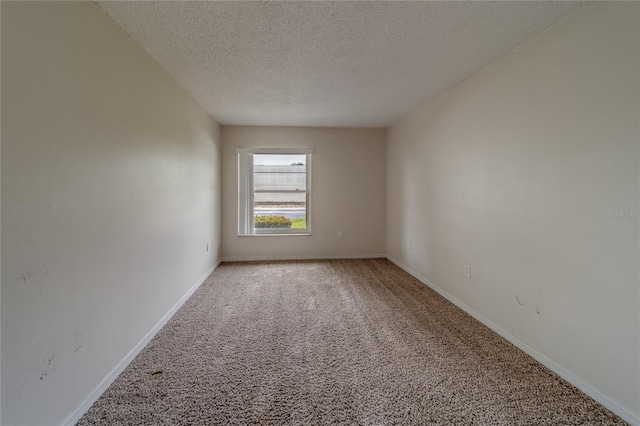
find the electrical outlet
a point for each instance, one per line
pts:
(467, 271)
(208, 246)
(410, 245)
(340, 234)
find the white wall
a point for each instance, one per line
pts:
(512, 172)
(110, 192)
(348, 192)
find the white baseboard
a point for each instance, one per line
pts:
(119, 368)
(612, 405)
(302, 257)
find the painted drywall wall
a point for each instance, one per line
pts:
(528, 173)
(348, 192)
(110, 192)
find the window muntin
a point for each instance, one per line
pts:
(274, 188)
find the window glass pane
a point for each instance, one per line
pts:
(274, 191)
(274, 210)
(279, 172)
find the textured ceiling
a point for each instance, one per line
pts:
(333, 64)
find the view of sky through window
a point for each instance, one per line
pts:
(278, 160)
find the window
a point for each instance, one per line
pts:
(274, 190)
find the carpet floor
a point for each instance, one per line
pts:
(335, 341)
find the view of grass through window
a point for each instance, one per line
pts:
(280, 191)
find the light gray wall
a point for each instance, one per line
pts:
(348, 192)
(519, 172)
(110, 192)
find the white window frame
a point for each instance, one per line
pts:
(246, 226)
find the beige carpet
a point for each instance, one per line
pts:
(338, 341)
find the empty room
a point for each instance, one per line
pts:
(320, 212)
